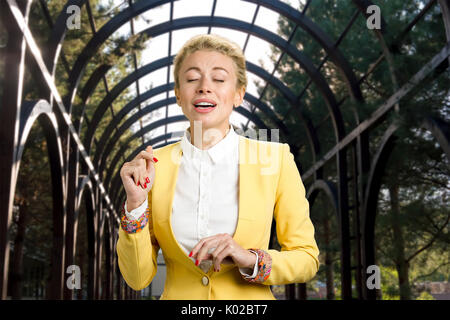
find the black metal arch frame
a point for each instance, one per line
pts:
(70, 159)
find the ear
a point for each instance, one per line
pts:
(177, 95)
(239, 97)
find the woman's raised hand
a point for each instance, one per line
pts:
(138, 176)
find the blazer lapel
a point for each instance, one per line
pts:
(164, 189)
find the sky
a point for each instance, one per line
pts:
(257, 50)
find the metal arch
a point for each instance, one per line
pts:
(278, 84)
(58, 33)
(91, 231)
(330, 190)
(104, 33)
(370, 202)
(83, 181)
(92, 82)
(30, 112)
(321, 37)
(270, 37)
(11, 100)
(313, 139)
(115, 92)
(267, 111)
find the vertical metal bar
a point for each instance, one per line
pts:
(346, 279)
(356, 227)
(11, 102)
(169, 53)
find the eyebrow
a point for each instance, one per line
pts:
(198, 69)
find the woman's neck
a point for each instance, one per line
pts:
(207, 138)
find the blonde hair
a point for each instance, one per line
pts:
(213, 42)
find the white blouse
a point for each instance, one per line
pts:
(206, 195)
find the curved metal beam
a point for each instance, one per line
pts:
(330, 190)
(321, 37)
(371, 199)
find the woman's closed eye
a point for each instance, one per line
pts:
(190, 80)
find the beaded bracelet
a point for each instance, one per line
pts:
(133, 226)
(264, 266)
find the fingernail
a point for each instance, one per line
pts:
(190, 254)
(137, 183)
(147, 180)
(196, 262)
(145, 185)
(154, 159)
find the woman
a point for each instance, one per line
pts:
(208, 201)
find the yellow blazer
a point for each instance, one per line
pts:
(269, 187)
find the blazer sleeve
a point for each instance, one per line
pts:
(298, 260)
(137, 253)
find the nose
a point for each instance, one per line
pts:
(203, 86)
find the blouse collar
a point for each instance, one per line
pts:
(227, 146)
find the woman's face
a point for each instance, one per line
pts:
(211, 76)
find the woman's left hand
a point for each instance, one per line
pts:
(226, 251)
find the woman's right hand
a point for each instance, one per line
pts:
(138, 176)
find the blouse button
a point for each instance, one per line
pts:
(205, 281)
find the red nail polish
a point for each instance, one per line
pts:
(147, 180)
(154, 159)
(145, 186)
(190, 254)
(196, 262)
(137, 183)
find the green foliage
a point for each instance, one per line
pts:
(425, 296)
(417, 168)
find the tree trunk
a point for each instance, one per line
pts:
(399, 245)
(17, 263)
(329, 272)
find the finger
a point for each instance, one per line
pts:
(219, 254)
(139, 178)
(135, 177)
(143, 175)
(147, 156)
(203, 253)
(197, 247)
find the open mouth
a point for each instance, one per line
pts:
(204, 105)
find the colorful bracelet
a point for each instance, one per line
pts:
(133, 226)
(264, 266)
